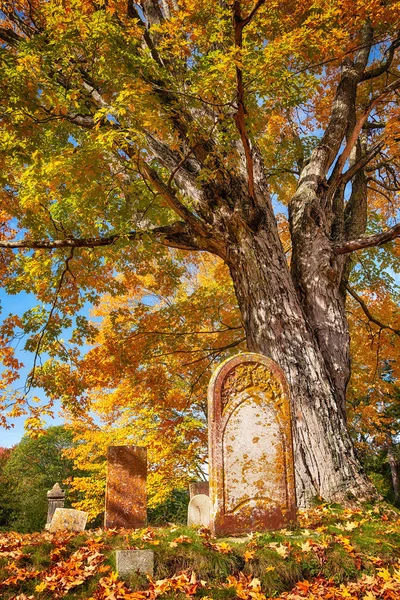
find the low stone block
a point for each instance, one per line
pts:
(134, 561)
(68, 519)
(199, 510)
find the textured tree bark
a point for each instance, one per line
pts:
(393, 469)
(277, 325)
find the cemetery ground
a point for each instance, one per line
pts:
(332, 553)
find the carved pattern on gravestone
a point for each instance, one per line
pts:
(126, 498)
(199, 511)
(250, 447)
(55, 499)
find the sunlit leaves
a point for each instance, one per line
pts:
(77, 564)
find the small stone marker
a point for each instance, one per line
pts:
(68, 519)
(199, 487)
(133, 561)
(126, 498)
(251, 465)
(199, 510)
(55, 499)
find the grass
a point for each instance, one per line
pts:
(329, 544)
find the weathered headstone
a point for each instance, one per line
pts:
(199, 511)
(68, 519)
(250, 447)
(126, 498)
(134, 561)
(55, 499)
(198, 487)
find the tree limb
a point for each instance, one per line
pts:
(345, 95)
(173, 202)
(31, 377)
(341, 161)
(377, 71)
(368, 313)
(368, 241)
(362, 162)
(253, 12)
(176, 235)
(240, 115)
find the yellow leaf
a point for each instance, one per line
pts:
(249, 555)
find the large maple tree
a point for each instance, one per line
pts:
(128, 128)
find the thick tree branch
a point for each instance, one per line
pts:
(172, 200)
(134, 13)
(385, 66)
(10, 37)
(362, 162)
(240, 115)
(353, 137)
(176, 235)
(368, 313)
(152, 12)
(352, 71)
(185, 172)
(369, 241)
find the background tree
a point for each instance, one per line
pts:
(6, 508)
(33, 467)
(129, 128)
(373, 393)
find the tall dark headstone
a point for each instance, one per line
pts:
(126, 498)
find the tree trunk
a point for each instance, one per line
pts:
(277, 326)
(393, 469)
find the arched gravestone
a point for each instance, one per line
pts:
(199, 510)
(250, 446)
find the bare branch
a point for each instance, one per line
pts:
(31, 377)
(173, 202)
(184, 333)
(253, 12)
(374, 125)
(327, 149)
(62, 243)
(369, 241)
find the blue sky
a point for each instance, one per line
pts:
(18, 304)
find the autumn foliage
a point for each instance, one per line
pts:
(136, 136)
(334, 554)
